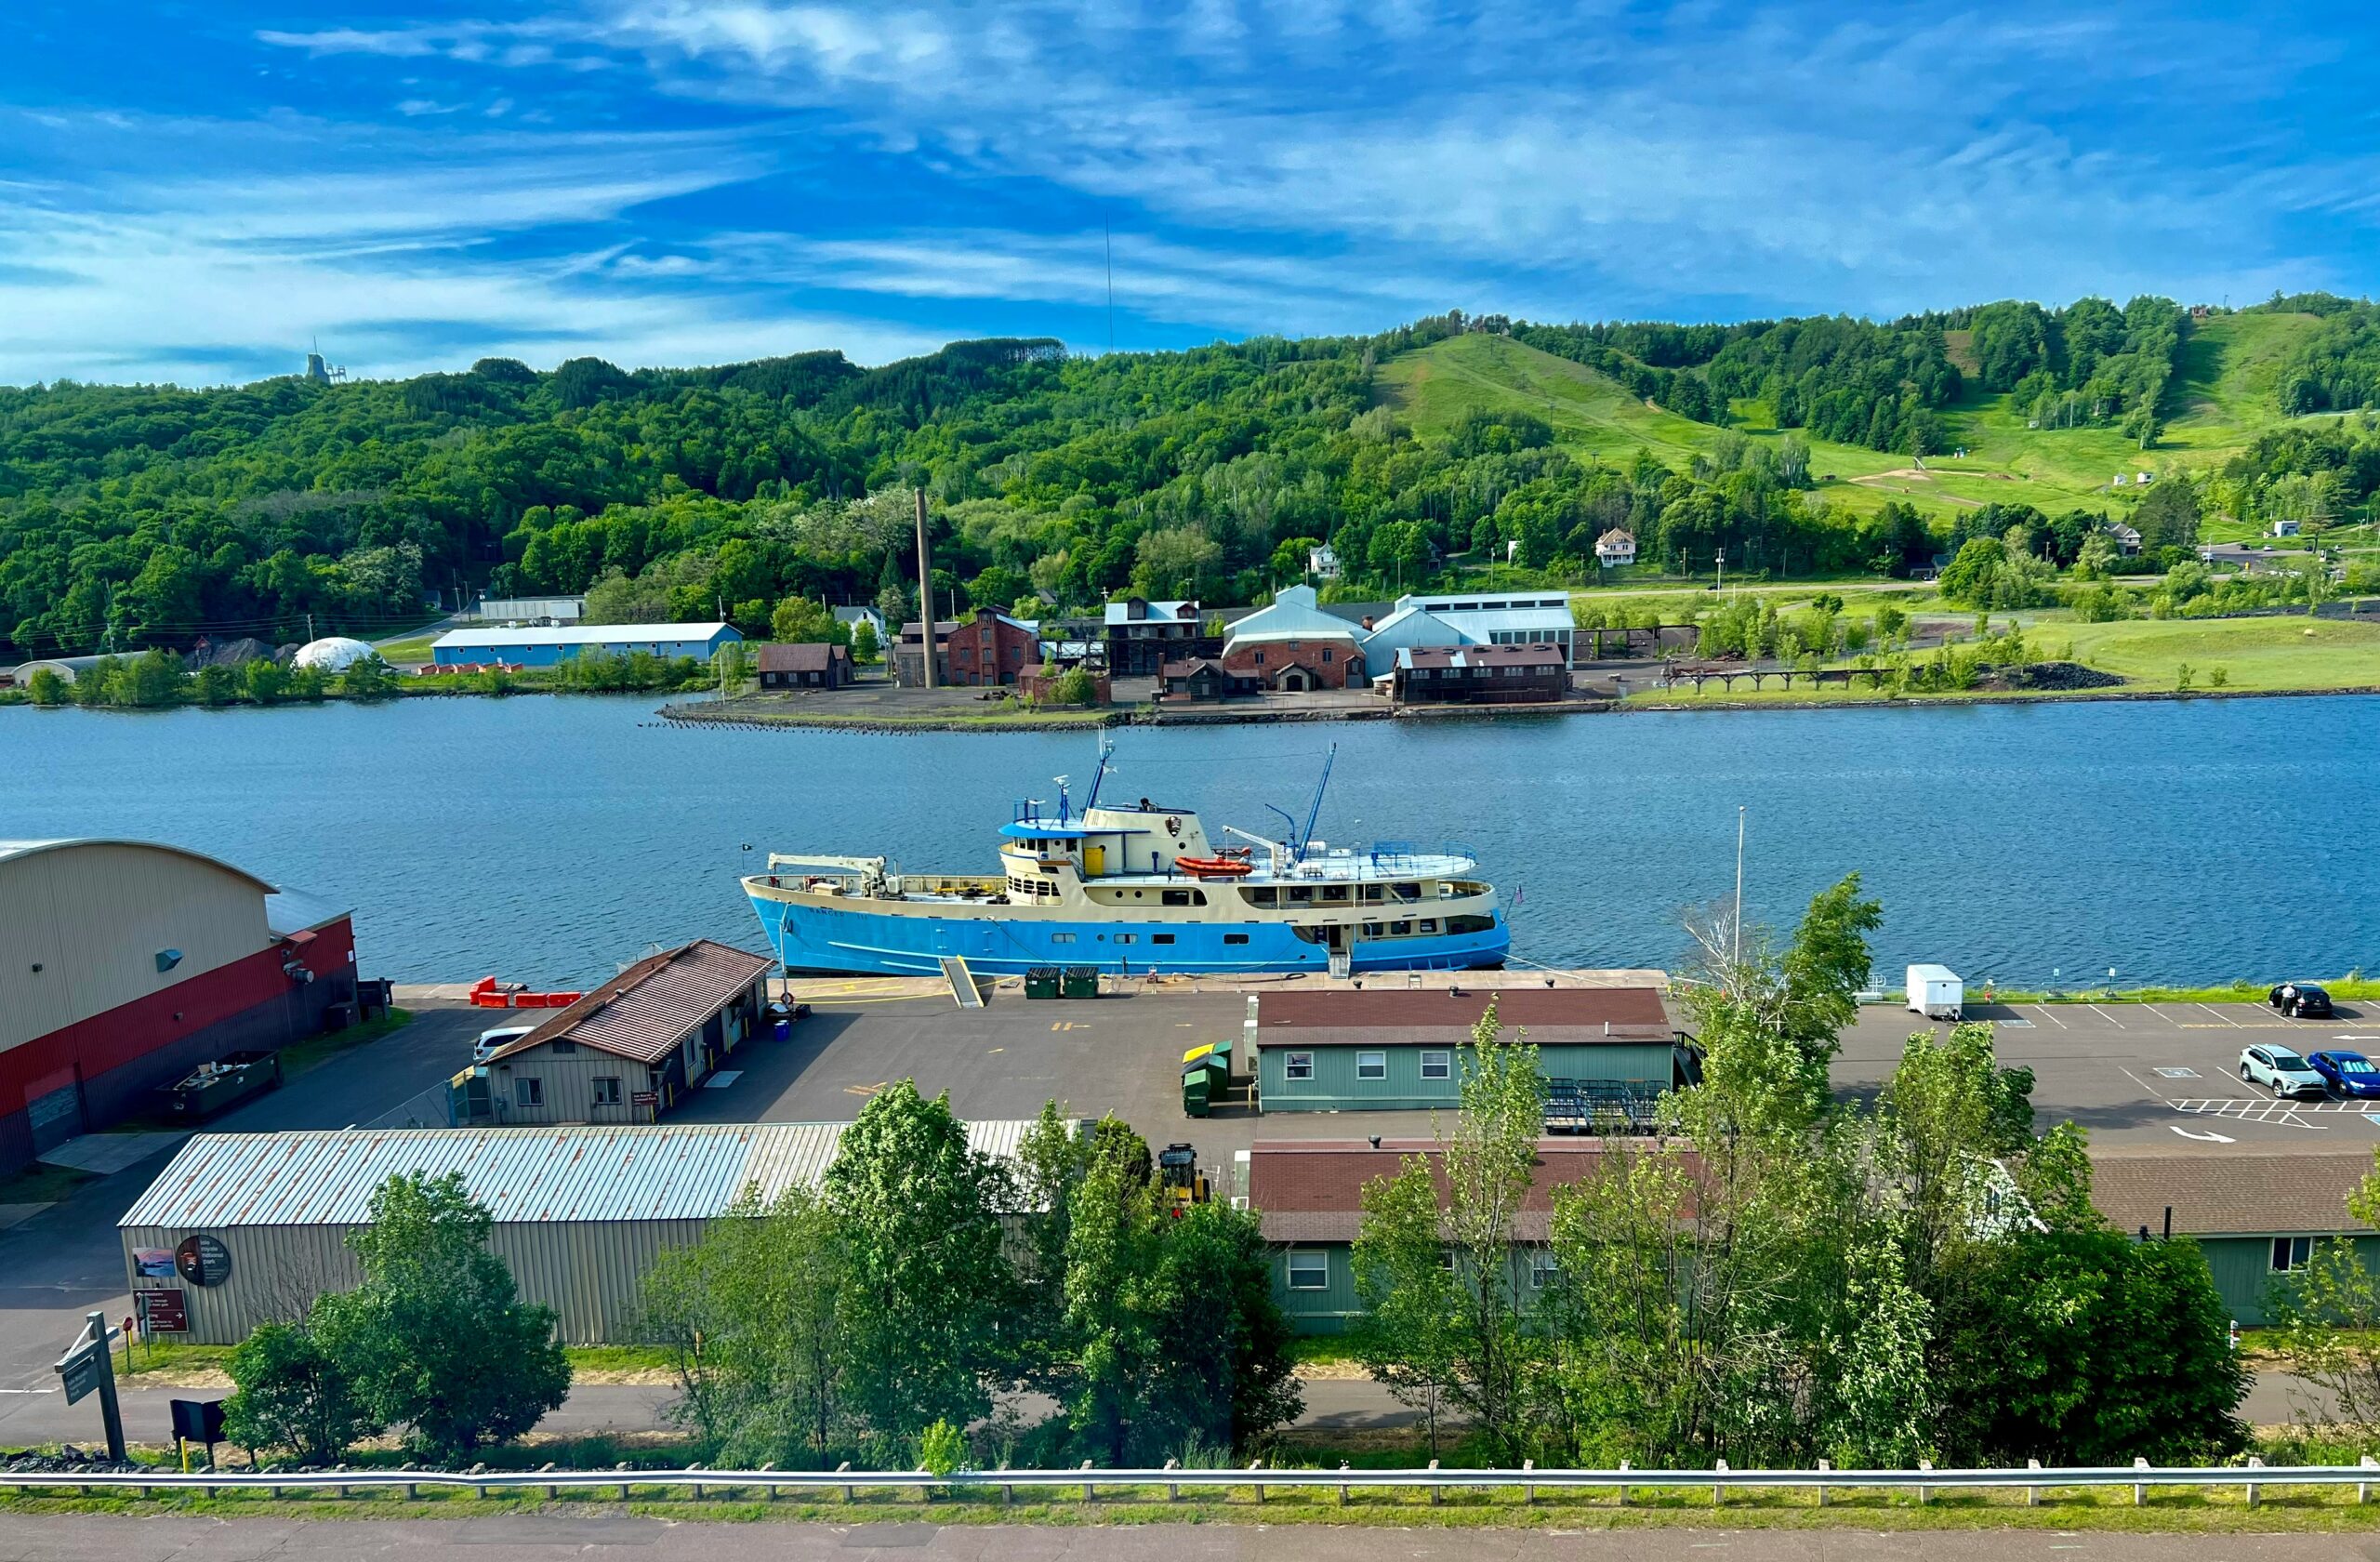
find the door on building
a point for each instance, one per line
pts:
(53, 1110)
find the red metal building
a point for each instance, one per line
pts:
(127, 963)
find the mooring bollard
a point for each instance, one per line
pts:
(1528, 1492)
(2253, 1463)
(1434, 1486)
(2032, 1493)
(1718, 1491)
(1173, 1492)
(1823, 1468)
(1087, 1493)
(1925, 1467)
(1623, 1485)
(844, 1469)
(2139, 1489)
(1254, 1465)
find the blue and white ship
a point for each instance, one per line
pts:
(1138, 889)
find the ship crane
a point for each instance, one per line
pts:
(873, 880)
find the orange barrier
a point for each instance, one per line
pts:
(489, 993)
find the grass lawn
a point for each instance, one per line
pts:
(414, 650)
(2284, 652)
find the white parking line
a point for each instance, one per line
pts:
(2207, 1138)
(2221, 1015)
(2105, 1015)
(2042, 1009)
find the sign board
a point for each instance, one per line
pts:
(82, 1373)
(165, 1311)
(198, 1420)
(203, 1259)
(644, 1098)
(152, 1263)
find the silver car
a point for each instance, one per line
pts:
(2282, 1070)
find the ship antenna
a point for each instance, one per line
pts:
(1098, 772)
(1062, 799)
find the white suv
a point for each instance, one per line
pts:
(485, 1047)
(2282, 1070)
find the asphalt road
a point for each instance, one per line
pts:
(94, 1538)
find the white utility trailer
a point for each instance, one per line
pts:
(1936, 992)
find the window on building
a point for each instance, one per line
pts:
(1260, 658)
(563, 1046)
(2291, 1253)
(1438, 1065)
(1298, 1065)
(1541, 1268)
(528, 1090)
(606, 1089)
(1325, 652)
(1371, 1066)
(1309, 1270)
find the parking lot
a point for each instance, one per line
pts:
(2152, 1077)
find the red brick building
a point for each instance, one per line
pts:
(991, 648)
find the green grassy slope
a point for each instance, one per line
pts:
(2220, 401)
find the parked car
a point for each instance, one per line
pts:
(2301, 1000)
(2282, 1070)
(2348, 1074)
(485, 1047)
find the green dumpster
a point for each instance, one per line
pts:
(1080, 981)
(1041, 981)
(1197, 1089)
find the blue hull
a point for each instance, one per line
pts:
(816, 938)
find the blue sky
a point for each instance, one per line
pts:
(194, 192)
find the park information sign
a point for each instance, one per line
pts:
(203, 1259)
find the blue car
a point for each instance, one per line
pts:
(2348, 1074)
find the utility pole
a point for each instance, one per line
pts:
(925, 597)
(1722, 572)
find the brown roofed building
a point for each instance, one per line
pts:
(628, 1050)
(1480, 674)
(805, 665)
(989, 649)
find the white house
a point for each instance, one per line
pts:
(1615, 548)
(1323, 562)
(853, 618)
(2284, 528)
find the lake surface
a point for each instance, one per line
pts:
(551, 839)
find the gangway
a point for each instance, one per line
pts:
(963, 990)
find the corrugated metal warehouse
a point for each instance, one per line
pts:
(552, 646)
(129, 963)
(243, 1228)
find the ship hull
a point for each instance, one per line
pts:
(854, 940)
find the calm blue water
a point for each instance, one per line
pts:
(549, 839)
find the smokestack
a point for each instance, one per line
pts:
(925, 594)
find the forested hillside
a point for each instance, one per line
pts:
(151, 514)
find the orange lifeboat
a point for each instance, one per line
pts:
(1212, 867)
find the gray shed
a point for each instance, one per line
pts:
(245, 1228)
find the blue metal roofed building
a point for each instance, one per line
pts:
(550, 647)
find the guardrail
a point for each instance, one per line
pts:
(1924, 1482)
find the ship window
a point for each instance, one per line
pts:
(1128, 938)
(1301, 894)
(1267, 897)
(1438, 1065)
(1400, 930)
(1429, 924)
(1300, 1065)
(1177, 897)
(1470, 924)
(1235, 938)
(1061, 939)
(1371, 1066)
(1407, 892)
(1372, 930)
(1160, 938)
(1334, 894)
(1372, 895)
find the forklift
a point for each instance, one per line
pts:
(1180, 1183)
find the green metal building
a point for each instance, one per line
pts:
(1386, 1050)
(2255, 1216)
